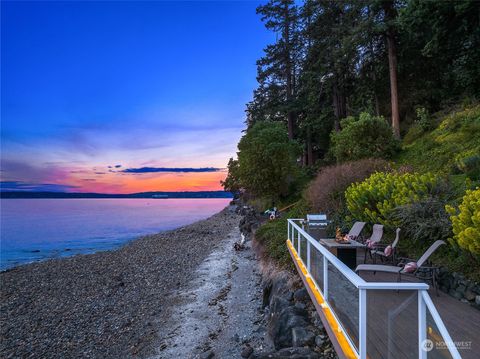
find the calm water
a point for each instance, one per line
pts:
(36, 229)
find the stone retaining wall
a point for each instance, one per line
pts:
(456, 285)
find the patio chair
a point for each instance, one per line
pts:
(386, 253)
(421, 268)
(356, 231)
(375, 238)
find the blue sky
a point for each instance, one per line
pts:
(88, 85)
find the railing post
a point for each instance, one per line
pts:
(292, 234)
(308, 256)
(325, 278)
(422, 326)
(288, 230)
(298, 244)
(362, 323)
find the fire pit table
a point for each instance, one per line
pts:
(346, 252)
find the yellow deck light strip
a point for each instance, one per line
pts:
(339, 339)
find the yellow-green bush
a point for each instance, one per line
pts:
(466, 221)
(374, 199)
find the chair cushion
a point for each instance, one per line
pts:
(388, 250)
(377, 268)
(410, 267)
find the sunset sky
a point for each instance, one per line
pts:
(121, 97)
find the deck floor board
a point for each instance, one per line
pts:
(461, 320)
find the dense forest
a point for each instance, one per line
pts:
(368, 110)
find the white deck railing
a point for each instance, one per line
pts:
(396, 309)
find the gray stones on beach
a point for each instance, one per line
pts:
(112, 304)
(288, 353)
(300, 294)
(103, 305)
(302, 337)
(319, 341)
(207, 355)
(246, 351)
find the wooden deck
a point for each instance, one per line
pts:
(392, 316)
(461, 320)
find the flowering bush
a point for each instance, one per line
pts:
(466, 221)
(375, 199)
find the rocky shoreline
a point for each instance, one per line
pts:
(292, 322)
(201, 291)
(103, 305)
(241, 305)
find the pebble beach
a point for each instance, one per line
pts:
(107, 304)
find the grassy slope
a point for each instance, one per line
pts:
(457, 136)
(273, 235)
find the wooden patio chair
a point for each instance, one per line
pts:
(386, 252)
(375, 238)
(422, 268)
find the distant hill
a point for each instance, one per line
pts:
(156, 195)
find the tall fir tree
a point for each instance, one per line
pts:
(274, 99)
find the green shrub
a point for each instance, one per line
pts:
(367, 136)
(375, 199)
(422, 123)
(414, 132)
(423, 119)
(470, 166)
(466, 222)
(326, 193)
(423, 222)
(272, 235)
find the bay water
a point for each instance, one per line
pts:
(39, 229)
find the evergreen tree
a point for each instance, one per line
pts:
(277, 70)
(334, 59)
